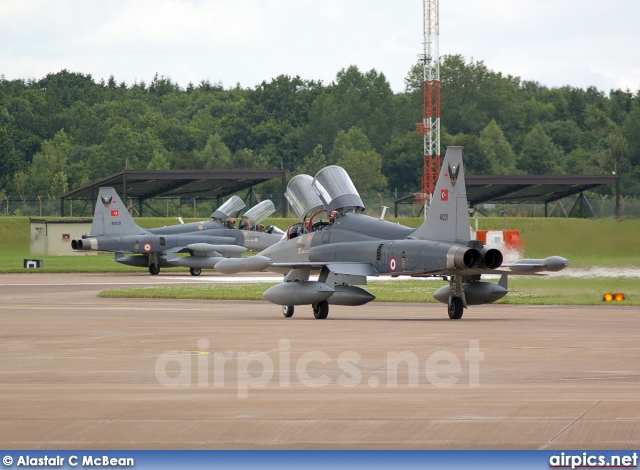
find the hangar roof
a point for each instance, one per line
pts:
(528, 188)
(146, 184)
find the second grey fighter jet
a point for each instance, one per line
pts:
(205, 243)
(353, 246)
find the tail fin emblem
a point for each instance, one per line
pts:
(453, 174)
(107, 201)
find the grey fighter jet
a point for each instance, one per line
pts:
(352, 246)
(204, 243)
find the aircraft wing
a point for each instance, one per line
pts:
(533, 266)
(260, 263)
(525, 267)
(204, 255)
(353, 268)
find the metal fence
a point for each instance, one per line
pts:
(591, 206)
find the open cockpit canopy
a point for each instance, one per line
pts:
(336, 190)
(231, 206)
(259, 212)
(301, 196)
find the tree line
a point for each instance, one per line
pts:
(67, 129)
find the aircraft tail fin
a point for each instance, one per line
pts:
(448, 216)
(111, 216)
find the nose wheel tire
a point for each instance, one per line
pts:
(195, 271)
(321, 310)
(287, 310)
(455, 308)
(154, 269)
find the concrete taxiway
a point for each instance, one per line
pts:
(80, 372)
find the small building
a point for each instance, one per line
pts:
(53, 236)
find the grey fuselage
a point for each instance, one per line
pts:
(359, 238)
(163, 239)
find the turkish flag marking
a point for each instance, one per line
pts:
(444, 195)
(114, 212)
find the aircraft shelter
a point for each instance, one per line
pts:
(140, 185)
(545, 189)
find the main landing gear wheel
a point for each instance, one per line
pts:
(154, 269)
(195, 271)
(321, 310)
(287, 310)
(455, 308)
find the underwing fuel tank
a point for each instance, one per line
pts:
(207, 262)
(476, 293)
(238, 265)
(351, 296)
(298, 293)
(141, 261)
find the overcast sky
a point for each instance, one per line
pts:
(555, 42)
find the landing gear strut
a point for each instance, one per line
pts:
(321, 310)
(195, 271)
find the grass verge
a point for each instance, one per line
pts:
(523, 290)
(584, 242)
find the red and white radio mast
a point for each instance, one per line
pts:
(430, 125)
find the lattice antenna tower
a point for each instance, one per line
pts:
(430, 125)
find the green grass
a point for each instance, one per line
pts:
(570, 291)
(585, 242)
(523, 290)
